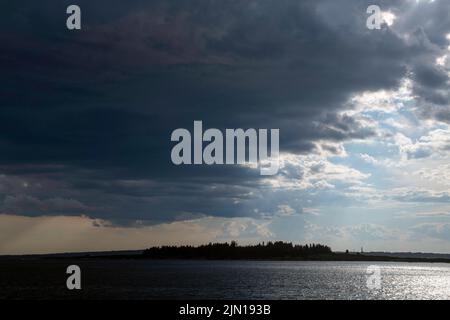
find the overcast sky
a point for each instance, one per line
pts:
(86, 118)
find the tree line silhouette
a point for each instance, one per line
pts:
(269, 250)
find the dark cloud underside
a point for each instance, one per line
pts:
(87, 115)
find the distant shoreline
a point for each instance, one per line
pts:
(325, 258)
(270, 251)
(330, 258)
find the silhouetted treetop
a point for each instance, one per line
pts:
(269, 250)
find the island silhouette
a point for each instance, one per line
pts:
(269, 250)
(277, 250)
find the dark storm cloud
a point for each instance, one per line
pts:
(99, 104)
(430, 77)
(427, 24)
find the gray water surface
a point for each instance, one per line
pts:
(146, 279)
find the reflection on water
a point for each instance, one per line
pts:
(134, 279)
(416, 282)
